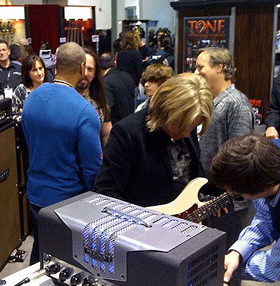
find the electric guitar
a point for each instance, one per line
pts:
(189, 207)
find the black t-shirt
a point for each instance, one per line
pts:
(181, 164)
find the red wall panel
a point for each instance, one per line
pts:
(43, 25)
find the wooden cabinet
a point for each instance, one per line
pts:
(254, 32)
(10, 237)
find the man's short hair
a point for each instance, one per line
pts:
(181, 99)
(106, 61)
(4, 42)
(222, 56)
(157, 73)
(16, 52)
(69, 57)
(248, 164)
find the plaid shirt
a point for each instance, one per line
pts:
(232, 116)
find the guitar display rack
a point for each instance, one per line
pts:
(78, 31)
(7, 32)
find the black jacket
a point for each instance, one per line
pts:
(273, 111)
(136, 165)
(120, 94)
(10, 77)
(130, 61)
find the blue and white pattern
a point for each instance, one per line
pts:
(259, 264)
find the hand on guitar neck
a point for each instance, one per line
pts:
(188, 206)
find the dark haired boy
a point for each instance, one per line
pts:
(250, 166)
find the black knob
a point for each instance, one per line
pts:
(54, 268)
(65, 274)
(76, 280)
(88, 282)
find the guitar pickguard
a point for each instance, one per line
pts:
(184, 214)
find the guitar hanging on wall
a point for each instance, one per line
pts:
(188, 206)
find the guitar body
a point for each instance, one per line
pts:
(186, 202)
(188, 206)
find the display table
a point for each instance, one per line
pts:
(29, 272)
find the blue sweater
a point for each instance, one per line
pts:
(62, 132)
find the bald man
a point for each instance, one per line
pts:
(62, 132)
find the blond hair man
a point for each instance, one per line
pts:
(152, 154)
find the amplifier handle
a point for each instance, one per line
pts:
(4, 175)
(122, 215)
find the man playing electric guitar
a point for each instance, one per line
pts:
(152, 154)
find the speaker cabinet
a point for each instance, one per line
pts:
(22, 166)
(9, 204)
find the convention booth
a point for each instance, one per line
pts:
(246, 27)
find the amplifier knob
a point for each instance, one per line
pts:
(65, 274)
(88, 282)
(54, 268)
(76, 280)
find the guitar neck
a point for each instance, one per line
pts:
(210, 208)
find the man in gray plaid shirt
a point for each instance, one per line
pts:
(232, 116)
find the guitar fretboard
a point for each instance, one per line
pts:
(210, 208)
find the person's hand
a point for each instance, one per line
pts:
(271, 133)
(231, 263)
(220, 212)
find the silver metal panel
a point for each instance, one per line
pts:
(105, 229)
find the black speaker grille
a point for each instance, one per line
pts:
(204, 268)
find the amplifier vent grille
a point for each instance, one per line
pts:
(143, 214)
(164, 221)
(170, 223)
(161, 220)
(203, 269)
(134, 212)
(99, 236)
(189, 229)
(151, 217)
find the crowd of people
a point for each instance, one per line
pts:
(90, 127)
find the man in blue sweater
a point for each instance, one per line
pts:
(62, 132)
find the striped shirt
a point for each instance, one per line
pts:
(259, 264)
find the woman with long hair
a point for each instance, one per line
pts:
(129, 59)
(33, 74)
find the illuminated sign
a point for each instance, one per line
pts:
(200, 32)
(207, 27)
